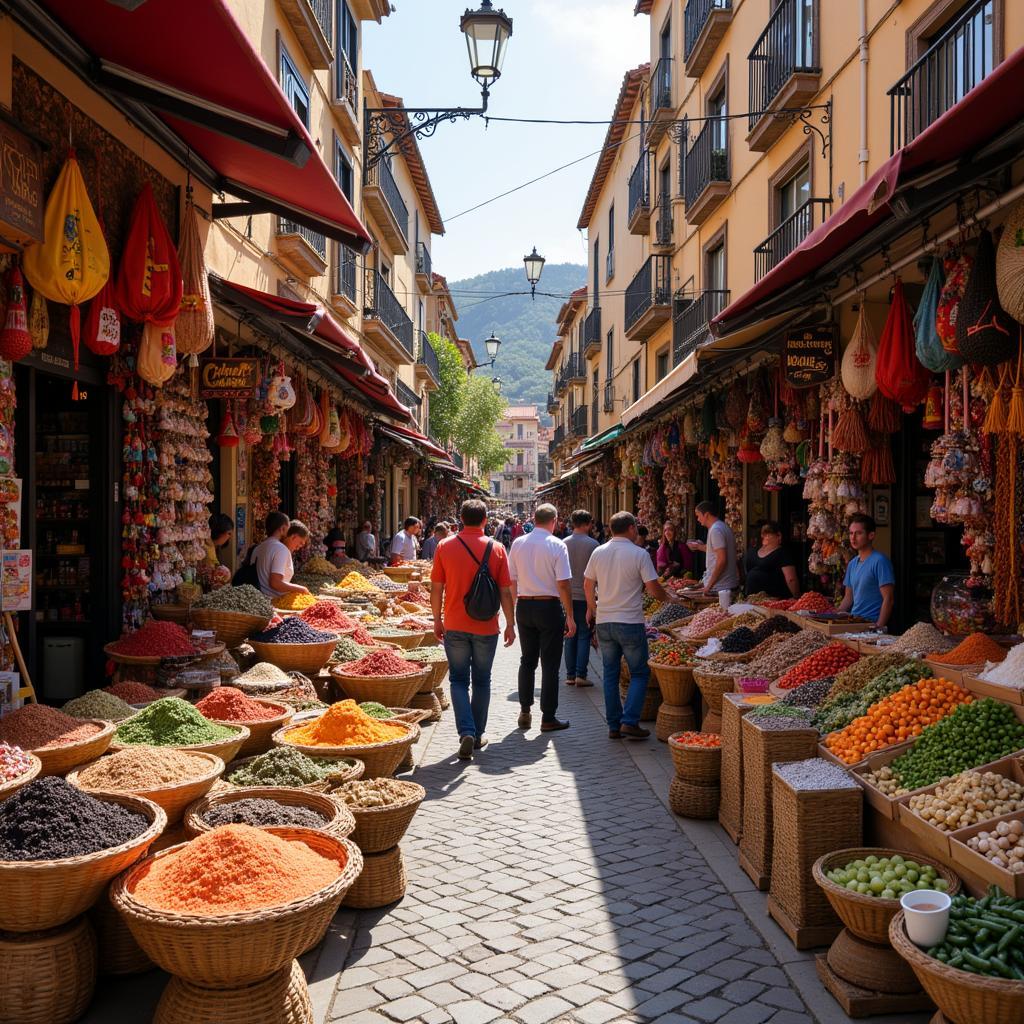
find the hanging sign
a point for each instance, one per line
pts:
(809, 356)
(16, 586)
(21, 188)
(229, 378)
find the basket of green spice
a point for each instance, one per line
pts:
(287, 767)
(382, 810)
(436, 658)
(269, 806)
(404, 638)
(173, 722)
(233, 613)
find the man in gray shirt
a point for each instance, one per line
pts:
(577, 648)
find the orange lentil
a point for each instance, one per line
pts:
(975, 649)
(344, 724)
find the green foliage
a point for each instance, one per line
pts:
(475, 434)
(446, 402)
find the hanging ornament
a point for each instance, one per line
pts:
(39, 320)
(281, 395)
(228, 435)
(934, 407)
(193, 328)
(15, 340)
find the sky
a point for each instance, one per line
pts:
(566, 59)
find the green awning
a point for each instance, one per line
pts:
(603, 438)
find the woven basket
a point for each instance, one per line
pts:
(428, 702)
(59, 760)
(382, 882)
(672, 719)
(227, 950)
(652, 699)
(12, 786)
(442, 696)
(407, 642)
(338, 819)
(391, 691)
(345, 773)
(730, 812)
(380, 828)
(226, 749)
(693, 799)
(380, 759)
(39, 894)
(118, 952)
(173, 798)
(138, 660)
(308, 658)
(283, 998)
(868, 917)
(440, 672)
(170, 613)
(712, 686)
(961, 997)
(261, 731)
(696, 764)
(232, 628)
(675, 682)
(47, 978)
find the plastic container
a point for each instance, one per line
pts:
(927, 915)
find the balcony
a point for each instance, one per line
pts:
(343, 294)
(594, 410)
(953, 65)
(784, 72)
(640, 196)
(346, 98)
(304, 251)
(573, 372)
(662, 109)
(423, 270)
(407, 396)
(578, 424)
(557, 438)
(553, 403)
(609, 396)
(592, 333)
(704, 24)
(382, 197)
(385, 320)
(663, 223)
(690, 322)
(649, 298)
(706, 179)
(311, 22)
(427, 370)
(788, 235)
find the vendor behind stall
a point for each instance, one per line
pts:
(221, 529)
(273, 558)
(870, 581)
(770, 568)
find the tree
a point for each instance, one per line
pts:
(446, 403)
(475, 435)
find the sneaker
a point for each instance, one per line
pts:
(466, 744)
(480, 742)
(634, 732)
(525, 719)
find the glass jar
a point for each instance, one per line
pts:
(959, 609)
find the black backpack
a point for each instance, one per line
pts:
(483, 599)
(246, 572)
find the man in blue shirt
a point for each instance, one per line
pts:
(870, 582)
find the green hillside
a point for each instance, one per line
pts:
(526, 327)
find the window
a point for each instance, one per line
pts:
(348, 36)
(636, 380)
(610, 362)
(793, 193)
(714, 269)
(665, 42)
(519, 460)
(519, 483)
(718, 108)
(343, 172)
(610, 261)
(519, 431)
(294, 87)
(597, 263)
(496, 484)
(661, 364)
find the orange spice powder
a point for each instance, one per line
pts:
(975, 649)
(344, 724)
(235, 868)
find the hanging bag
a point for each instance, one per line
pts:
(983, 330)
(193, 327)
(927, 343)
(860, 359)
(899, 374)
(483, 600)
(149, 280)
(956, 267)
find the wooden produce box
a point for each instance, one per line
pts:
(824, 627)
(823, 751)
(983, 688)
(730, 808)
(966, 859)
(954, 673)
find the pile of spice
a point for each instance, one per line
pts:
(778, 717)
(375, 710)
(358, 582)
(367, 793)
(133, 693)
(922, 638)
(426, 655)
(773, 625)
(669, 613)
(739, 641)
(284, 766)
(976, 649)
(362, 637)
(235, 868)
(263, 674)
(227, 704)
(839, 710)
(704, 621)
(1010, 672)
(294, 631)
(810, 695)
(99, 704)
(344, 724)
(812, 601)
(346, 649)
(826, 662)
(245, 600)
(327, 615)
(34, 726)
(137, 769)
(258, 813)
(696, 739)
(856, 676)
(155, 640)
(14, 762)
(383, 632)
(48, 819)
(171, 722)
(382, 582)
(781, 657)
(319, 566)
(299, 689)
(381, 664)
(814, 773)
(293, 601)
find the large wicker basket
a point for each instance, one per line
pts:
(226, 749)
(868, 917)
(40, 894)
(391, 691)
(429, 703)
(406, 641)
(382, 882)
(261, 730)
(12, 786)
(232, 628)
(712, 685)
(379, 828)
(338, 819)
(308, 658)
(672, 718)
(118, 952)
(59, 760)
(696, 764)
(175, 797)
(693, 799)
(170, 613)
(675, 682)
(380, 759)
(345, 773)
(227, 950)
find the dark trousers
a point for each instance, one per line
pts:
(541, 631)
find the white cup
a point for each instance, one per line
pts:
(724, 599)
(926, 927)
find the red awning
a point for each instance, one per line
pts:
(991, 107)
(191, 62)
(422, 440)
(376, 389)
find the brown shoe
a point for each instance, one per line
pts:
(570, 680)
(634, 732)
(582, 682)
(525, 719)
(553, 726)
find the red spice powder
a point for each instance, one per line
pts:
(975, 649)
(380, 663)
(36, 725)
(227, 704)
(327, 615)
(812, 601)
(132, 692)
(362, 637)
(155, 639)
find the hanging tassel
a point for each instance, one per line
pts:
(884, 414)
(849, 434)
(15, 340)
(193, 373)
(39, 320)
(1015, 416)
(995, 418)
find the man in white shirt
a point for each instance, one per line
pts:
(403, 544)
(542, 586)
(615, 579)
(273, 557)
(722, 572)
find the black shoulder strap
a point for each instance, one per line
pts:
(471, 555)
(487, 554)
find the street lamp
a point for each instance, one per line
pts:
(487, 34)
(534, 264)
(492, 344)
(496, 381)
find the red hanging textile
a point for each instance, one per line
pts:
(15, 340)
(900, 374)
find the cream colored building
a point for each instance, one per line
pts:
(514, 485)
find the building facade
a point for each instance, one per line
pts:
(514, 486)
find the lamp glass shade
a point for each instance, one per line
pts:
(496, 381)
(492, 344)
(487, 34)
(534, 264)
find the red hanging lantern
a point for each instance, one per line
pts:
(933, 409)
(15, 340)
(228, 436)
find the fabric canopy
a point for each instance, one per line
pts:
(661, 391)
(422, 440)
(191, 62)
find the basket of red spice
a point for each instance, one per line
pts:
(382, 676)
(58, 740)
(151, 643)
(227, 705)
(327, 614)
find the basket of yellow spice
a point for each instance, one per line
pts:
(345, 730)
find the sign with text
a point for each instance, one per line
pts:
(16, 586)
(810, 356)
(21, 187)
(229, 378)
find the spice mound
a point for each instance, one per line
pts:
(1009, 672)
(294, 601)
(319, 566)
(14, 762)
(264, 675)
(346, 649)
(226, 704)
(367, 793)
(696, 739)
(258, 812)
(920, 638)
(35, 726)
(825, 662)
(245, 600)
(814, 774)
(285, 767)
(704, 621)
(155, 640)
(235, 868)
(358, 582)
(327, 615)
(294, 631)
(171, 722)
(380, 663)
(48, 819)
(137, 769)
(344, 724)
(812, 601)
(976, 649)
(375, 710)
(132, 692)
(774, 624)
(425, 655)
(99, 704)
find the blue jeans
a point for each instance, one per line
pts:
(577, 648)
(620, 640)
(470, 656)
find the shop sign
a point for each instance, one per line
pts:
(16, 587)
(809, 356)
(21, 187)
(229, 378)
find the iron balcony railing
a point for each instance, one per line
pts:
(953, 65)
(381, 304)
(640, 186)
(348, 83)
(322, 12)
(379, 175)
(663, 224)
(552, 402)
(552, 445)
(346, 281)
(316, 241)
(707, 160)
(661, 85)
(788, 235)
(652, 286)
(572, 369)
(594, 407)
(690, 321)
(609, 396)
(422, 260)
(787, 46)
(695, 17)
(426, 356)
(578, 426)
(592, 328)
(558, 436)
(406, 395)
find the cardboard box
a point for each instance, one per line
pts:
(968, 860)
(954, 673)
(983, 688)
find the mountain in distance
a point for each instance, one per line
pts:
(525, 326)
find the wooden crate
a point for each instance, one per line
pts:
(730, 810)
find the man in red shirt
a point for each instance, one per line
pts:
(470, 644)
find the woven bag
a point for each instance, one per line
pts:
(1010, 264)
(860, 360)
(957, 267)
(193, 327)
(927, 342)
(900, 376)
(984, 333)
